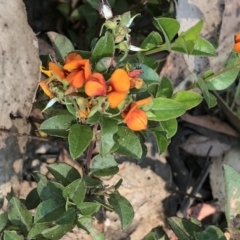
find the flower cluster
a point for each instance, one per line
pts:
(90, 88)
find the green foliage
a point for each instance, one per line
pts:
(232, 180)
(109, 127)
(103, 165)
(19, 216)
(164, 109)
(123, 208)
(169, 27)
(64, 173)
(75, 191)
(79, 138)
(128, 143)
(62, 45)
(103, 48)
(58, 125)
(188, 99)
(153, 40)
(224, 78)
(61, 207)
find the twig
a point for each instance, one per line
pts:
(203, 175)
(23, 135)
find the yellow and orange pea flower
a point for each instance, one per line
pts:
(236, 46)
(135, 118)
(79, 70)
(116, 88)
(54, 69)
(95, 85)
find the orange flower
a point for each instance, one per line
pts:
(135, 118)
(46, 89)
(95, 85)
(236, 46)
(118, 88)
(54, 69)
(79, 69)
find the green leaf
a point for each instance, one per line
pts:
(150, 62)
(75, 191)
(57, 125)
(94, 3)
(104, 64)
(150, 236)
(153, 40)
(195, 221)
(88, 208)
(38, 176)
(86, 224)
(87, 12)
(49, 210)
(165, 109)
(165, 88)
(232, 206)
(19, 216)
(187, 98)
(70, 106)
(103, 203)
(203, 48)
(183, 228)
(79, 138)
(129, 143)
(32, 199)
(36, 230)
(162, 141)
(157, 234)
(103, 48)
(61, 45)
(170, 126)
(209, 98)
(103, 165)
(11, 235)
(200, 48)
(91, 182)
(192, 33)
(49, 190)
(149, 75)
(83, 54)
(168, 26)
(183, 46)
(210, 233)
(123, 208)
(64, 173)
(57, 231)
(94, 118)
(109, 127)
(68, 217)
(223, 79)
(3, 221)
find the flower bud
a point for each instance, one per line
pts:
(111, 24)
(105, 9)
(136, 120)
(236, 46)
